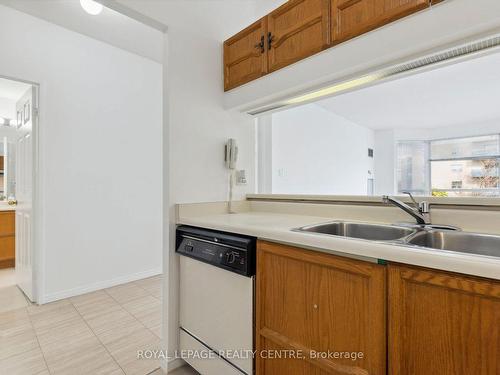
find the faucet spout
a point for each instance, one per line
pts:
(417, 214)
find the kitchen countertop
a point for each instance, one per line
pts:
(277, 227)
(5, 207)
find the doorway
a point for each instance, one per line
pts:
(18, 132)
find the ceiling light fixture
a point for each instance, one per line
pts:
(91, 7)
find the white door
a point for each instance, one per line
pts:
(24, 192)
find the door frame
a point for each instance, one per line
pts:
(37, 194)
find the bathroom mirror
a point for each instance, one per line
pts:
(433, 133)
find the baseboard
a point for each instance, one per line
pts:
(99, 285)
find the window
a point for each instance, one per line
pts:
(465, 166)
(460, 167)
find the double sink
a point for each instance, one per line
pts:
(430, 237)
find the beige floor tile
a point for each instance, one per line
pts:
(89, 298)
(97, 308)
(146, 309)
(125, 351)
(11, 298)
(111, 337)
(40, 309)
(157, 330)
(184, 370)
(14, 322)
(21, 342)
(126, 292)
(138, 366)
(64, 330)
(119, 319)
(43, 320)
(152, 285)
(7, 277)
(27, 363)
(134, 340)
(78, 355)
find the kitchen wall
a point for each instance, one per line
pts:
(196, 121)
(315, 151)
(8, 108)
(100, 154)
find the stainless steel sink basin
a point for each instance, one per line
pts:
(463, 242)
(374, 232)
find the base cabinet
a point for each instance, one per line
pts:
(317, 312)
(442, 323)
(7, 239)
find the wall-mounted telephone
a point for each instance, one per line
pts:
(231, 153)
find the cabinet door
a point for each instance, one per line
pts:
(309, 302)
(7, 239)
(245, 56)
(442, 323)
(297, 29)
(351, 18)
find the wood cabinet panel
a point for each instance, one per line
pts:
(296, 30)
(350, 18)
(7, 239)
(313, 302)
(442, 323)
(7, 223)
(245, 57)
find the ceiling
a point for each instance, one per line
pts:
(463, 93)
(12, 89)
(109, 26)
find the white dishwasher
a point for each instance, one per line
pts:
(216, 300)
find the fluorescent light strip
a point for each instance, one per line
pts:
(426, 61)
(348, 85)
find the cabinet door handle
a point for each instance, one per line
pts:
(270, 39)
(261, 45)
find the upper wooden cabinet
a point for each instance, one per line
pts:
(296, 30)
(350, 18)
(442, 323)
(306, 300)
(301, 28)
(245, 57)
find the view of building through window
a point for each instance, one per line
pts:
(460, 167)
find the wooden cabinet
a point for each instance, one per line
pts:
(296, 30)
(310, 302)
(301, 28)
(442, 323)
(350, 18)
(7, 239)
(245, 57)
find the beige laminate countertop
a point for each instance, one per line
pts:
(5, 207)
(278, 227)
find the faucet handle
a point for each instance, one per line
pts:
(412, 199)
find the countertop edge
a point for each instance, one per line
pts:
(440, 260)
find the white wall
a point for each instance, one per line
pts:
(8, 108)
(317, 152)
(384, 157)
(197, 123)
(100, 153)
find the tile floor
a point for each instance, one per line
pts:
(185, 370)
(7, 277)
(94, 334)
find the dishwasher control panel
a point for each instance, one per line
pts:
(232, 252)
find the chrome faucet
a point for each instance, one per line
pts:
(420, 211)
